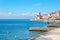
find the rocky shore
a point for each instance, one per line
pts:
(53, 34)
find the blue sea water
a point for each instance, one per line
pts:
(18, 29)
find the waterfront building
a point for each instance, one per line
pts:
(50, 14)
(56, 14)
(38, 16)
(45, 16)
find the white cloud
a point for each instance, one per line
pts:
(28, 14)
(17, 15)
(10, 13)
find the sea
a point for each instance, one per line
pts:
(18, 29)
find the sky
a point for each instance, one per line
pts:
(26, 9)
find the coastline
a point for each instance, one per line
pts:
(53, 34)
(42, 33)
(44, 20)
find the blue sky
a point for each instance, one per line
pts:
(26, 9)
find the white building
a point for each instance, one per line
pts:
(38, 16)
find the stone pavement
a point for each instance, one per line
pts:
(51, 35)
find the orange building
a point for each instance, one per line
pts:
(45, 16)
(59, 13)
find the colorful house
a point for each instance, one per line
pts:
(45, 16)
